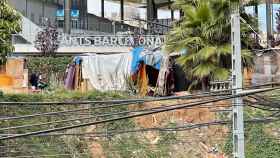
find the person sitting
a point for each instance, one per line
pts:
(34, 81)
(41, 84)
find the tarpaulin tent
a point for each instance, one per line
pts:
(147, 67)
(107, 72)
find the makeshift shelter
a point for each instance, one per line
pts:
(150, 70)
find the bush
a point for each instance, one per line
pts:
(49, 66)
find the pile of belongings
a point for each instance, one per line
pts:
(150, 71)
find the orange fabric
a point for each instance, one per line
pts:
(77, 77)
(142, 80)
(6, 80)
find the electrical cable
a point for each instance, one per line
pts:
(192, 96)
(160, 129)
(98, 107)
(139, 115)
(96, 116)
(63, 112)
(103, 115)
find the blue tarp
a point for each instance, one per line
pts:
(77, 60)
(149, 58)
(136, 58)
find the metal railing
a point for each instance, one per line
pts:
(220, 85)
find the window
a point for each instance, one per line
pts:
(32, 17)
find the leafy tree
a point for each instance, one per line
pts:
(9, 24)
(205, 31)
(47, 40)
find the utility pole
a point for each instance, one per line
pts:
(102, 8)
(237, 103)
(269, 23)
(256, 8)
(122, 10)
(67, 17)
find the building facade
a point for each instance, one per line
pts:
(38, 11)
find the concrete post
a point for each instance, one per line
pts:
(67, 16)
(237, 84)
(269, 22)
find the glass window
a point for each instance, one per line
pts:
(112, 10)
(94, 7)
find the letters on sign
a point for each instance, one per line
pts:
(112, 41)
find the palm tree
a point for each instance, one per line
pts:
(205, 32)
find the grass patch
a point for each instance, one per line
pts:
(62, 145)
(63, 95)
(258, 142)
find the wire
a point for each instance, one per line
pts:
(108, 114)
(42, 114)
(131, 101)
(160, 129)
(96, 116)
(137, 115)
(55, 155)
(265, 109)
(264, 102)
(192, 96)
(61, 112)
(98, 107)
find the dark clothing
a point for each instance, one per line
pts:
(34, 80)
(42, 85)
(152, 75)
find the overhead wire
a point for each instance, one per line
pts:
(160, 129)
(191, 96)
(101, 115)
(120, 104)
(61, 112)
(181, 128)
(138, 115)
(131, 101)
(109, 114)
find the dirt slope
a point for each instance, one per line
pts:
(197, 143)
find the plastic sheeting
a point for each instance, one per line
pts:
(107, 72)
(151, 58)
(136, 58)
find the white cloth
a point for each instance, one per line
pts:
(107, 72)
(161, 82)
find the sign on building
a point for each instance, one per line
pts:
(74, 14)
(111, 40)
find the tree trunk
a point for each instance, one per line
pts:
(204, 84)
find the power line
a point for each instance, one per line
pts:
(120, 104)
(160, 129)
(192, 96)
(108, 114)
(63, 112)
(181, 128)
(131, 101)
(103, 115)
(55, 155)
(138, 115)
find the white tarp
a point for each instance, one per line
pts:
(107, 72)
